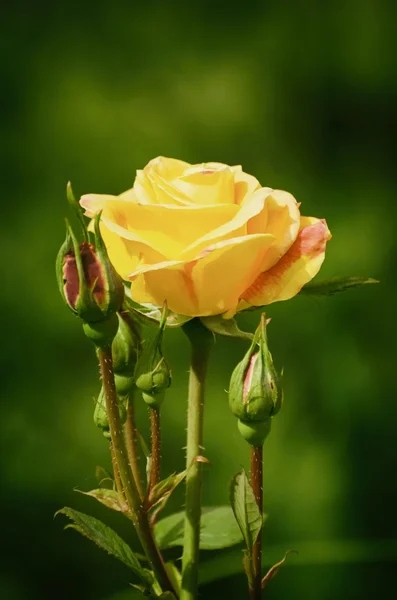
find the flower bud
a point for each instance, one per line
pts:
(88, 282)
(125, 350)
(100, 414)
(152, 373)
(255, 392)
(126, 345)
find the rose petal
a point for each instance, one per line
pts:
(210, 284)
(158, 190)
(168, 168)
(225, 270)
(127, 255)
(208, 183)
(93, 203)
(165, 281)
(297, 267)
(281, 218)
(235, 227)
(152, 184)
(166, 229)
(244, 184)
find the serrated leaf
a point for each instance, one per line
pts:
(218, 529)
(162, 490)
(107, 539)
(109, 498)
(335, 285)
(225, 327)
(274, 569)
(245, 508)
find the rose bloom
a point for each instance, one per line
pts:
(208, 238)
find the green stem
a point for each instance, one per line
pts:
(257, 487)
(155, 465)
(116, 472)
(201, 341)
(131, 440)
(134, 502)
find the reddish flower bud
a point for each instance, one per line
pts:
(87, 280)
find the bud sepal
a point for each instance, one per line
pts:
(152, 373)
(100, 414)
(90, 285)
(255, 391)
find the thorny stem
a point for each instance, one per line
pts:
(257, 486)
(136, 508)
(116, 472)
(131, 440)
(201, 341)
(155, 465)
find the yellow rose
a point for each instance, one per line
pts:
(208, 238)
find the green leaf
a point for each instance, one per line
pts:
(163, 490)
(108, 540)
(109, 498)
(218, 529)
(227, 327)
(245, 508)
(329, 287)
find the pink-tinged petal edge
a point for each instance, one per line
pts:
(296, 268)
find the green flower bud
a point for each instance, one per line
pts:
(152, 373)
(125, 350)
(100, 414)
(126, 345)
(124, 384)
(254, 432)
(87, 280)
(255, 392)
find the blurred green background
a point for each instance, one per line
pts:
(303, 95)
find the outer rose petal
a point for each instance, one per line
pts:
(281, 218)
(210, 284)
(127, 255)
(166, 229)
(93, 203)
(225, 270)
(297, 267)
(165, 281)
